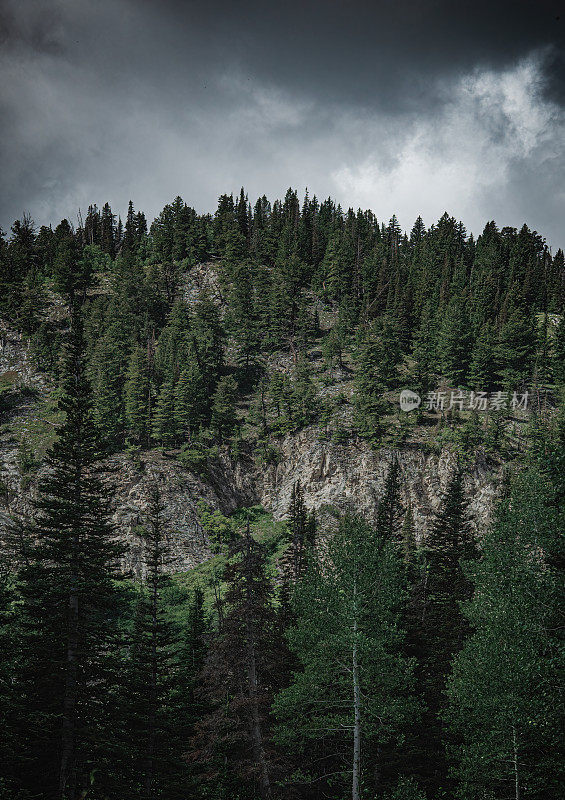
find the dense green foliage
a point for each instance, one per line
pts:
(349, 703)
(503, 699)
(301, 660)
(172, 352)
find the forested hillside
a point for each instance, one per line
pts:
(335, 653)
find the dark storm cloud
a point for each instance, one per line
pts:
(401, 106)
(382, 53)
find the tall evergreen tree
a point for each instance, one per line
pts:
(389, 511)
(376, 360)
(224, 417)
(68, 606)
(483, 367)
(108, 230)
(241, 313)
(165, 429)
(208, 340)
(442, 628)
(150, 672)
(130, 231)
(503, 704)
(190, 409)
(302, 531)
(453, 344)
(185, 707)
(108, 369)
(72, 271)
(351, 698)
(516, 347)
(559, 352)
(17, 259)
(137, 391)
(424, 350)
(232, 746)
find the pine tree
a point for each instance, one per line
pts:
(190, 400)
(503, 702)
(375, 371)
(241, 315)
(333, 345)
(559, 352)
(483, 366)
(224, 417)
(232, 747)
(16, 260)
(130, 231)
(107, 370)
(45, 247)
(198, 246)
(150, 671)
(453, 344)
(67, 627)
(137, 391)
(71, 271)
(389, 511)
(88, 233)
(526, 265)
(424, 351)
(280, 396)
(332, 272)
(280, 324)
(108, 230)
(33, 301)
(175, 346)
(185, 707)
(301, 536)
(6, 284)
(442, 629)
(208, 340)
(165, 430)
(351, 698)
(516, 348)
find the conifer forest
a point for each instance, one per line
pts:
(282, 481)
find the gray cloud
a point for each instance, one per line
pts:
(412, 107)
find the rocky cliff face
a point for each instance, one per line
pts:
(342, 477)
(351, 477)
(333, 476)
(226, 488)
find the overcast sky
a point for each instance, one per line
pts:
(402, 106)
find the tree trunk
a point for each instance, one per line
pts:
(152, 716)
(218, 599)
(259, 755)
(356, 711)
(515, 764)
(67, 775)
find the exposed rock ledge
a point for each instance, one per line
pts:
(342, 476)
